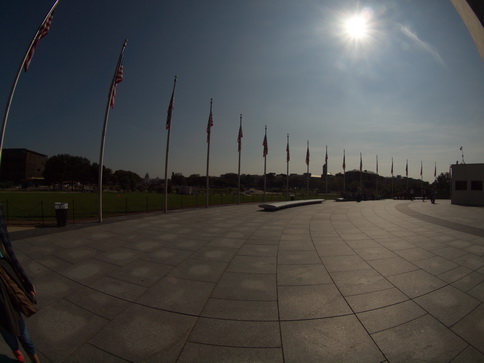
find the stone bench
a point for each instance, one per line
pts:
(282, 205)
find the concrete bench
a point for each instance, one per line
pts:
(281, 205)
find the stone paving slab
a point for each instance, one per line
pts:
(376, 281)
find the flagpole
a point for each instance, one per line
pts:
(435, 181)
(421, 179)
(361, 174)
(103, 137)
(14, 85)
(208, 150)
(307, 163)
(239, 138)
(406, 174)
(265, 163)
(377, 176)
(170, 109)
(287, 165)
(344, 172)
(392, 178)
(326, 163)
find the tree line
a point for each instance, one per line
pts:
(63, 169)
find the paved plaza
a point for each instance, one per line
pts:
(376, 281)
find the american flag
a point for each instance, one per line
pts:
(239, 138)
(344, 161)
(361, 163)
(377, 164)
(210, 122)
(435, 170)
(43, 30)
(392, 167)
(288, 157)
(421, 169)
(118, 79)
(170, 110)
(264, 143)
(406, 169)
(307, 156)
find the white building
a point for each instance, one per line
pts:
(467, 184)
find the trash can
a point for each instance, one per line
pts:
(61, 213)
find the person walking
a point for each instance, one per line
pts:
(17, 298)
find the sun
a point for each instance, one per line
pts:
(356, 27)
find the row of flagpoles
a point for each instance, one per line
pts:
(118, 77)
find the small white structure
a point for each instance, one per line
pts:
(467, 184)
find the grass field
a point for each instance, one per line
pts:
(22, 207)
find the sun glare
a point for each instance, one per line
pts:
(356, 27)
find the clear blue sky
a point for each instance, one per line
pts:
(411, 88)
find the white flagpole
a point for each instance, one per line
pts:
(170, 109)
(103, 138)
(209, 126)
(14, 86)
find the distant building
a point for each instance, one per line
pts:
(467, 184)
(21, 164)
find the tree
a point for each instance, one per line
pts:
(126, 180)
(442, 185)
(178, 179)
(195, 180)
(63, 167)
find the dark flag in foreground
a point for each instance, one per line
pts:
(361, 163)
(171, 106)
(239, 137)
(307, 155)
(43, 30)
(210, 122)
(344, 161)
(288, 156)
(392, 167)
(118, 79)
(264, 144)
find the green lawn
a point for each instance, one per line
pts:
(38, 207)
